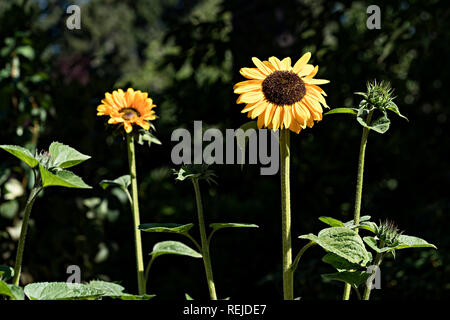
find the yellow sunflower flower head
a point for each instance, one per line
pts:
(128, 108)
(281, 95)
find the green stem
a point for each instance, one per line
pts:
(136, 218)
(288, 279)
(377, 263)
(359, 186)
(147, 270)
(23, 233)
(204, 242)
(299, 255)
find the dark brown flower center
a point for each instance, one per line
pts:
(283, 88)
(129, 113)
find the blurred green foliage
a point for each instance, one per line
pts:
(187, 55)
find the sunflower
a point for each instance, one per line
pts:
(128, 108)
(282, 96)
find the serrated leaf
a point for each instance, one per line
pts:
(6, 273)
(121, 182)
(342, 241)
(173, 247)
(218, 226)
(61, 291)
(354, 278)
(166, 227)
(21, 153)
(380, 125)
(338, 262)
(393, 107)
(331, 221)
(353, 111)
(64, 156)
(62, 178)
(405, 242)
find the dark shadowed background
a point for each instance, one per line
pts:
(187, 55)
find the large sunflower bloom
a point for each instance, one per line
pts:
(282, 96)
(128, 108)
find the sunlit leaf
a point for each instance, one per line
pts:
(218, 226)
(64, 156)
(173, 247)
(61, 291)
(121, 182)
(62, 178)
(21, 153)
(166, 227)
(354, 278)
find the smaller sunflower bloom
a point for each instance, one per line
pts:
(281, 95)
(128, 108)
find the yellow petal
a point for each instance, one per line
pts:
(269, 114)
(276, 63)
(276, 118)
(250, 97)
(307, 69)
(260, 121)
(259, 108)
(300, 64)
(128, 127)
(252, 73)
(286, 64)
(249, 87)
(287, 116)
(315, 81)
(261, 66)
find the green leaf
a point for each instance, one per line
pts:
(109, 289)
(61, 291)
(6, 273)
(338, 262)
(218, 226)
(343, 110)
(393, 107)
(62, 178)
(166, 227)
(373, 244)
(115, 291)
(354, 278)
(380, 125)
(26, 51)
(368, 225)
(173, 247)
(145, 136)
(5, 290)
(127, 296)
(17, 292)
(342, 241)
(405, 242)
(64, 156)
(331, 221)
(188, 297)
(21, 153)
(121, 182)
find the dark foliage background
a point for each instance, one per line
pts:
(187, 55)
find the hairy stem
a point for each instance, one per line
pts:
(204, 242)
(377, 263)
(23, 233)
(299, 255)
(288, 279)
(359, 186)
(136, 218)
